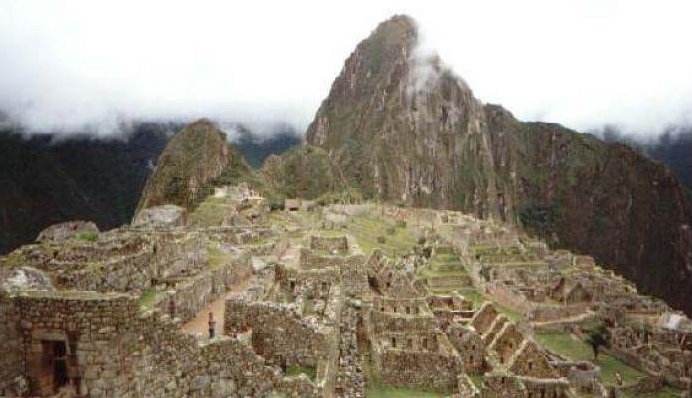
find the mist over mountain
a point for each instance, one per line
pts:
(46, 178)
(672, 148)
(401, 126)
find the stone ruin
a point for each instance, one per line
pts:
(130, 313)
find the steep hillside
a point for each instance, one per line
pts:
(34, 192)
(255, 148)
(672, 148)
(303, 172)
(402, 127)
(193, 158)
(97, 179)
(45, 181)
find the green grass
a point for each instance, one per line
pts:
(384, 391)
(477, 380)
(88, 236)
(148, 298)
(564, 344)
(295, 370)
(216, 257)
(210, 212)
(366, 230)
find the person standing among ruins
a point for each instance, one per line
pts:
(212, 326)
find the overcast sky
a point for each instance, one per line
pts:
(64, 64)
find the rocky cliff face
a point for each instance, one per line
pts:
(402, 127)
(194, 157)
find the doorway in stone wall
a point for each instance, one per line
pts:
(60, 378)
(51, 373)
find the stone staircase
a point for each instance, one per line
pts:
(350, 380)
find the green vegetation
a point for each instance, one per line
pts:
(301, 172)
(477, 380)
(368, 230)
(598, 338)
(569, 346)
(88, 236)
(295, 370)
(210, 212)
(216, 257)
(149, 298)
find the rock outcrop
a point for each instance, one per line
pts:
(402, 127)
(193, 158)
(68, 230)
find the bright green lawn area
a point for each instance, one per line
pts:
(565, 344)
(297, 370)
(382, 391)
(367, 230)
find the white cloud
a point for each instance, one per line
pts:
(587, 63)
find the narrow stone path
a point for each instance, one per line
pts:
(199, 325)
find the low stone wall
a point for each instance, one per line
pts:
(545, 312)
(329, 244)
(557, 388)
(583, 376)
(124, 273)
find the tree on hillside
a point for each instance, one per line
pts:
(598, 338)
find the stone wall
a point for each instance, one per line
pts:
(191, 294)
(469, 345)
(312, 260)
(85, 329)
(422, 369)
(583, 376)
(354, 276)
(173, 364)
(178, 254)
(11, 362)
(484, 317)
(509, 297)
(292, 280)
(506, 342)
(329, 244)
(545, 312)
(279, 333)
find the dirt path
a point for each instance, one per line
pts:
(199, 325)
